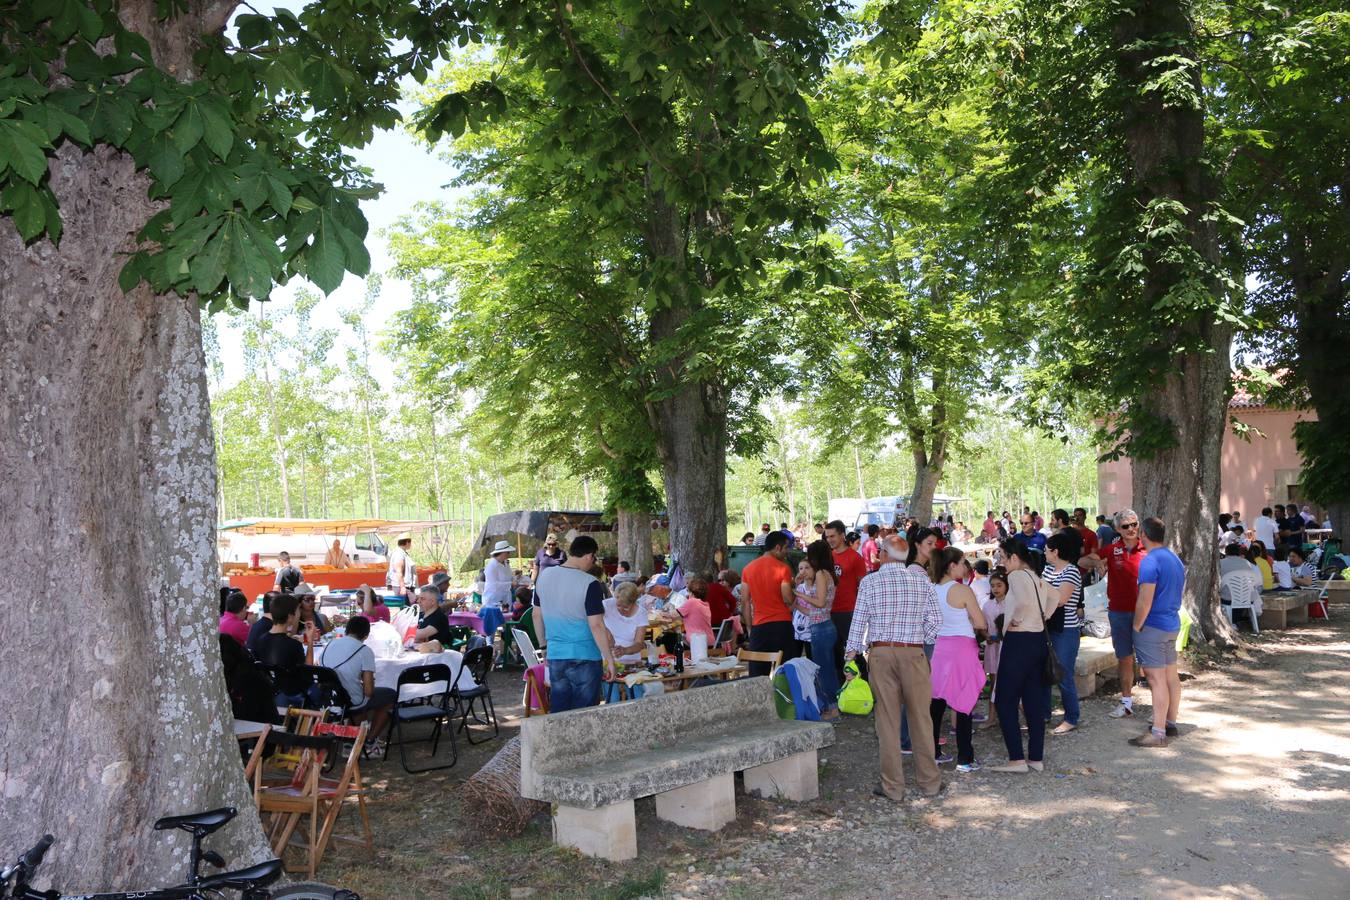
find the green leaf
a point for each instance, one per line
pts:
(279, 195)
(187, 130)
(251, 258)
(324, 257)
(21, 148)
(207, 267)
(25, 205)
(110, 118)
(165, 160)
(91, 24)
(219, 127)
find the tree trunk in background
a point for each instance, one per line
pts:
(635, 539)
(857, 465)
(1323, 343)
(109, 493)
(1166, 145)
(928, 465)
(690, 418)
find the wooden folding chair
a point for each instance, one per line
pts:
(310, 794)
(296, 721)
(536, 691)
(774, 659)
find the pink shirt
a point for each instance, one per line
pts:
(234, 626)
(697, 617)
(378, 613)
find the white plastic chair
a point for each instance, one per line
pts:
(527, 651)
(1244, 592)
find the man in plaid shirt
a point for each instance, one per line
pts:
(897, 613)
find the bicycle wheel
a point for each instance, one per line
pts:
(312, 891)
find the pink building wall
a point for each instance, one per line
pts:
(1258, 473)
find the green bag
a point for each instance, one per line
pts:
(856, 697)
(782, 697)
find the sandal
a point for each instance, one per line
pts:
(1064, 728)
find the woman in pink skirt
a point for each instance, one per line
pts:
(958, 677)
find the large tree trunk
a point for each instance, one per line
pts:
(117, 711)
(1322, 336)
(1166, 147)
(690, 419)
(635, 539)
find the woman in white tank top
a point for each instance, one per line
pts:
(958, 675)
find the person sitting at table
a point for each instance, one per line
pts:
(262, 625)
(1302, 571)
(694, 609)
(282, 652)
(432, 624)
(251, 693)
(354, 664)
(309, 612)
(721, 602)
(336, 556)
(372, 604)
(234, 620)
(523, 601)
(1256, 555)
(626, 622)
(1281, 571)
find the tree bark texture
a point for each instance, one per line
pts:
(1166, 148)
(690, 414)
(118, 713)
(1322, 338)
(635, 539)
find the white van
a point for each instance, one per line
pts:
(363, 549)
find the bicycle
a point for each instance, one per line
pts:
(251, 883)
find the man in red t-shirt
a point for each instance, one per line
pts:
(768, 591)
(1090, 542)
(1120, 560)
(849, 570)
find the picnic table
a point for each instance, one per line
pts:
(469, 619)
(678, 681)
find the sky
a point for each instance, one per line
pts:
(411, 173)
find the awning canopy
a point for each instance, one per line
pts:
(330, 526)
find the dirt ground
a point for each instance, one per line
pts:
(1252, 800)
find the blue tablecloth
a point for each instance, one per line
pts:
(492, 619)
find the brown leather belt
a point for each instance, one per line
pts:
(893, 644)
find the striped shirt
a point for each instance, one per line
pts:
(1069, 574)
(895, 604)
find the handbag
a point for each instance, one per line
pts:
(1054, 670)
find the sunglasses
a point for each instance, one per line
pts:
(1125, 525)
(1027, 522)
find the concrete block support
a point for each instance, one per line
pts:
(609, 832)
(708, 805)
(793, 778)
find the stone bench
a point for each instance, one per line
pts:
(1095, 659)
(683, 747)
(1280, 609)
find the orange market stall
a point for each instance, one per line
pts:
(249, 549)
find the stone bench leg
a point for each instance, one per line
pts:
(1274, 619)
(1086, 682)
(708, 805)
(609, 832)
(794, 778)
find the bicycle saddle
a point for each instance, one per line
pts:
(200, 823)
(254, 876)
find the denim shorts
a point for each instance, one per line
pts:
(1155, 648)
(1122, 633)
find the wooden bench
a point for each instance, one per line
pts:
(1280, 609)
(1096, 658)
(683, 748)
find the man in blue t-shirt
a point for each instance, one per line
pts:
(1157, 619)
(572, 621)
(1029, 535)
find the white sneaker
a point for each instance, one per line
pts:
(1121, 711)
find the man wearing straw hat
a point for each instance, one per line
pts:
(402, 577)
(497, 577)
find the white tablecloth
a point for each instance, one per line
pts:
(387, 671)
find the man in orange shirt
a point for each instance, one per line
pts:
(768, 591)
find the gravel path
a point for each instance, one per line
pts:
(1252, 800)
